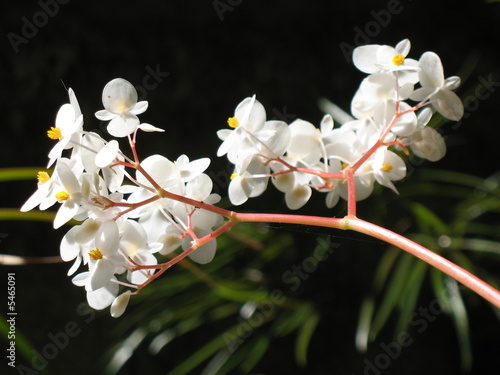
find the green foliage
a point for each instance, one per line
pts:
(232, 309)
(465, 231)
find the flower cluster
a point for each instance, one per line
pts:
(122, 225)
(300, 158)
(130, 212)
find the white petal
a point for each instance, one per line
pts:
(103, 297)
(107, 238)
(81, 279)
(66, 212)
(105, 115)
(199, 188)
(431, 70)
(37, 197)
(326, 125)
(74, 102)
(65, 116)
(239, 190)
(118, 96)
(101, 274)
(69, 248)
(205, 253)
(298, 197)
(107, 154)
(139, 108)
(123, 125)
(365, 57)
(449, 105)
(75, 266)
(284, 182)
(251, 114)
(403, 47)
(194, 168)
(332, 198)
(451, 83)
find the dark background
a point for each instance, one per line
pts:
(289, 54)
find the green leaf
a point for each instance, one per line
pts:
(428, 221)
(368, 305)
(408, 301)
(461, 322)
(304, 338)
(392, 293)
(15, 214)
(255, 353)
(16, 174)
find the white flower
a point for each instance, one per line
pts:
(249, 118)
(388, 167)
(375, 58)
(68, 129)
(188, 170)
(134, 244)
(249, 180)
(438, 89)
(119, 98)
(69, 196)
(105, 260)
(429, 144)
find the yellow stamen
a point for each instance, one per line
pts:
(95, 254)
(54, 133)
(398, 60)
(42, 177)
(344, 165)
(233, 176)
(233, 122)
(387, 167)
(62, 196)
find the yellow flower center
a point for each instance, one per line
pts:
(42, 177)
(62, 196)
(54, 133)
(398, 60)
(233, 122)
(95, 254)
(344, 165)
(387, 167)
(233, 176)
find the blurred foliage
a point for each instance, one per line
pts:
(232, 309)
(468, 236)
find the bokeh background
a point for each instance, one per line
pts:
(208, 56)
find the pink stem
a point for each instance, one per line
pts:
(352, 223)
